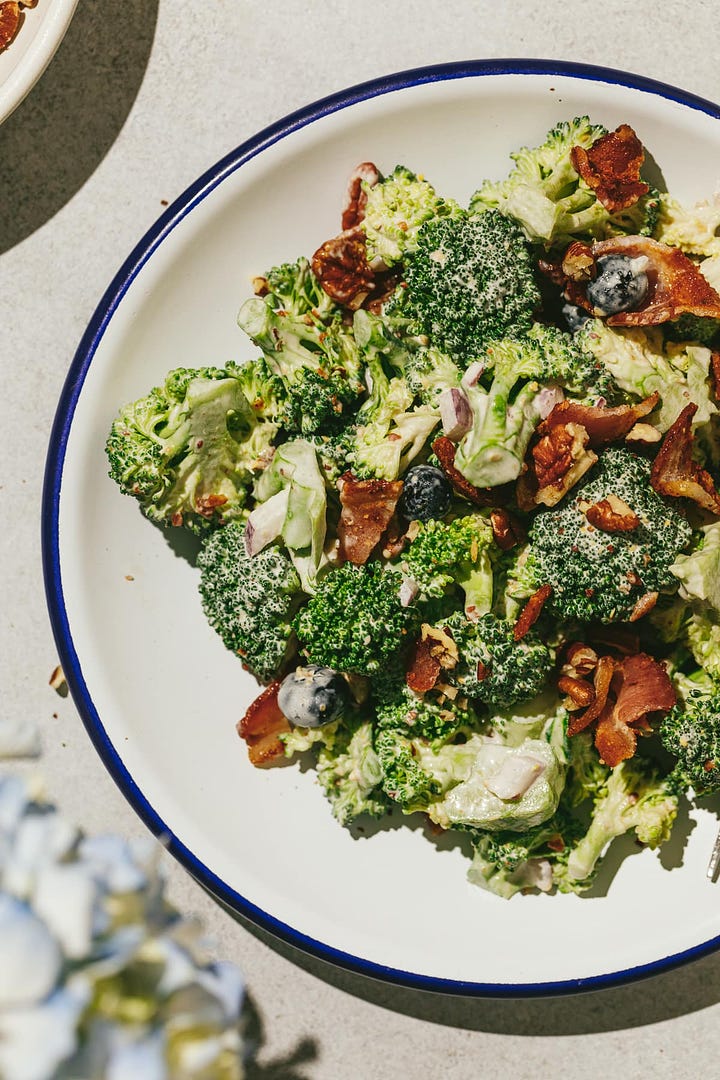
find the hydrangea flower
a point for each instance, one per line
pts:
(99, 976)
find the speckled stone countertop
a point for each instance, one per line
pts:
(140, 99)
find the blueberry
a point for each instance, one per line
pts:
(621, 284)
(426, 494)
(312, 696)
(575, 316)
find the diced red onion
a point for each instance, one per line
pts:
(455, 413)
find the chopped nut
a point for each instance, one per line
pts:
(580, 660)
(560, 459)
(612, 515)
(643, 435)
(341, 267)
(58, 682)
(531, 612)
(578, 261)
(443, 648)
(261, 286)
(645, 603)
(507, 532)
(581, 693)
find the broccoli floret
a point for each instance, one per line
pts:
(420, 716)
(416, 773)
(703, 637)
(317, 361)
(263, 389)
(693, 328)
(691, 732)
(469, 281)
(447, 553)
(189, 449)
(349, 773)
(355, 621)
(493, 667)
(292, 287)
(429, 372)
(389, 434)
(396, 208)
(634, 797)
(249, 601)
(493, 451)
(551, 202)
(595, 575)
(640, 364)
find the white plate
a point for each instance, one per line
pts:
(26, 57)
(159, 694)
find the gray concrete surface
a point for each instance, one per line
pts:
(142, 96)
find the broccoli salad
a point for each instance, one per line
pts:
(457, 507)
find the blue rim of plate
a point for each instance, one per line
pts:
(51, 506)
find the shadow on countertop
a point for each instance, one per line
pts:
(58, 136)
(686, 989)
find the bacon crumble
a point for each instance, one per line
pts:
(367, 510)
(9, 22)
(675, 473)
(611, 167)
(603, 424)
(356, 195)
(262, 725)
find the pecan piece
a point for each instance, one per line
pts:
(507, 532)
(341, 267)
(531, 612)
(643, 435)
(612, 515)
(356, 194)
(9, 22)
(645, 603)
(580, 692)
(206, 505)
(580, 660)
(560, 459)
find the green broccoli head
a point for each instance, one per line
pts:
(494, 668)
(349, 773)
(597, 575)
(249, 601)
(396, 208)
(554, 206)
(470, 280)
(696, 328)
(429, 372)
(389, 433)
(262, 388)
(492, 452)
(317, 361)
(429, 716)
(691, 732)
(417, 772)
(292, 287)
(634, 797)
(444, 554)
(355, 622)
(188, 451)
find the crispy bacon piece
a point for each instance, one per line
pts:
(367, 508)
(675, 473)
(580, 692)
(715, 370)
(355, 197)
(9, 22)
(627, 691)
(341, 267)
(675, 284)
(424, 670)
(262, 725)
(604, 425)
(444, 449)
(611, 167)
(531, 612)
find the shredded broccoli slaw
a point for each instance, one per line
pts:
(459, 510)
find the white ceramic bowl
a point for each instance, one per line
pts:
(158, 692)
(24, 60)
